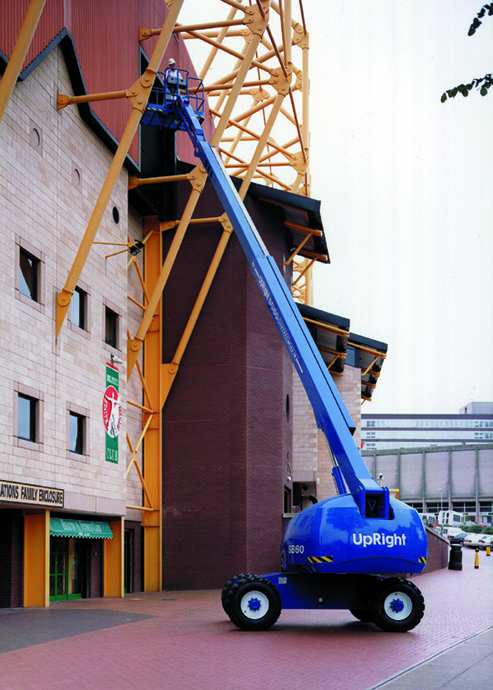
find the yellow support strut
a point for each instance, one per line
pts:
(138, 94)
(19, 53)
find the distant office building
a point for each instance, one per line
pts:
(474, 425)
(445, 478)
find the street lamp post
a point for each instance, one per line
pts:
(441, 506)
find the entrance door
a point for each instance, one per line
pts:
(65, 568)
(128, 548)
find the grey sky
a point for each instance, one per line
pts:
(406, 187)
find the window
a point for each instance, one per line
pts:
(27, 413)
(78, 308)
(110, 327)
(29, 275)
(287, 500)
(76, 433)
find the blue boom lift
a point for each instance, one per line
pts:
(336, 553)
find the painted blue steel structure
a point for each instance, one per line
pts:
(330, 549)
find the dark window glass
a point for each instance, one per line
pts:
(111, 327)
(26, 417)
(28, 275)
(76, 443)
(78, 308)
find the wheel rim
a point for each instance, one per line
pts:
(398, 605)
(254, 604)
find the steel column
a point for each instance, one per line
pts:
(152, 470)
(113, 562)
(37, 559)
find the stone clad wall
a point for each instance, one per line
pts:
(311, 457)
(53, 168)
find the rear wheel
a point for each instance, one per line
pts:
(254, 604)
(227, 587)
(397, 605)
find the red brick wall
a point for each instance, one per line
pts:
(224, 426)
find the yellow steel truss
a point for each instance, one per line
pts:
(259, 103)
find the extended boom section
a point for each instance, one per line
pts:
(329, 409)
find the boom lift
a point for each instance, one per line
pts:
(334, 553)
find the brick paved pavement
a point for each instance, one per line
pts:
(183, 640)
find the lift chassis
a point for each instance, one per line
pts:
(344, 552)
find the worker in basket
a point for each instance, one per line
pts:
(172, 79)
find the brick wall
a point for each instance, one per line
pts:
(224, 445)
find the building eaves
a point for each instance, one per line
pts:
(302, 219)
(339, 347)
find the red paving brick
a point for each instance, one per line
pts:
(189, 643)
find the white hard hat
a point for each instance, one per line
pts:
(171, 61)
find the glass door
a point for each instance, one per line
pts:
(65, 569)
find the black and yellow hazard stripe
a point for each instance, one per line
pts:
(320, 559)
(422, 559)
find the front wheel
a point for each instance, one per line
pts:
(397, 605)
(254, 605)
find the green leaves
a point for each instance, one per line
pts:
(476, 23)
(482, 85)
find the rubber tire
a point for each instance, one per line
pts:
(267, 591)
(412, 598)
(363, 615)
(227, 587)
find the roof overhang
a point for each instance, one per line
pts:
(302, 220)
(340, 348)
(371, 355)
(331, 335)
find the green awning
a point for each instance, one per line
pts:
(59, 527)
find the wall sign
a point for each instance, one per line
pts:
(15, 492)
(112, 413)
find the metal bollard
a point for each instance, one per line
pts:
(488, 551)
(455, 560)
(476, 559)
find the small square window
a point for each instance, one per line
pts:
(78, 308)
(110, 327)
(27, 417)
(76, 433)
(28, 275)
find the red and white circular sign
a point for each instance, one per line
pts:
(112, 411)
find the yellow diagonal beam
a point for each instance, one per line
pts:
(257, 25)
(140, 95)
(135, 345)
(19, 53)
